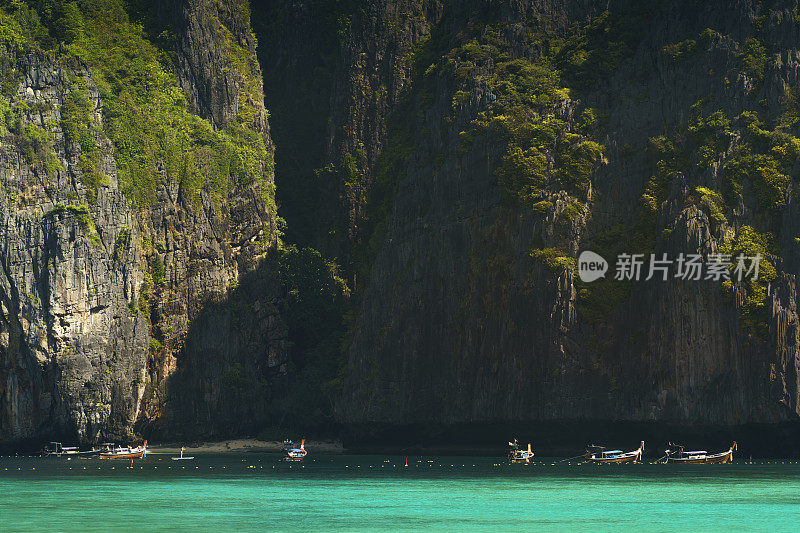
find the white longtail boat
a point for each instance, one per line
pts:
(55, 449)
(677, 454)
(119, 452)
(598, 454)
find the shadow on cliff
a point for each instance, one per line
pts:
(265, 357)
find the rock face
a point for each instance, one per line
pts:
(73, 355)
(93, 344)
(373, 73)
(217, 346)
(215, 59)
(460, 324)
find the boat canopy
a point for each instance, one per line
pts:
(611, 452)
(697, 452)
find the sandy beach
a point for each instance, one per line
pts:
(244, 445)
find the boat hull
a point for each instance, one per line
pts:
(616, 460)
(297, 454)
(520, 456)
(523, 457)
(135, 453)
(131, 455)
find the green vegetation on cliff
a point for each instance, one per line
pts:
(764, 157)
(753, 313)
(145, 112)
(554, 259)
(748, 153)
(146, 118)
(543, 155)
(83, 217)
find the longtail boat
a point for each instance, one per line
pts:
(119, 452)
(518, 455)
(296, 454)
(677, 454)
(55, 449)
(598, 454)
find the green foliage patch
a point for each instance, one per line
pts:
(754, 314)
(553, 258)
(36, 144)
(542, 155)
(84, 218)
(159, 273)
(146, 117)
(766, 158)
(711, 201)
(708, 135)
(681, 50)
(145, 112)
(79, 127)
(753, 57)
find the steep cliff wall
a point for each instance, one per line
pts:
(73, 353)
(218, 352)
(530, 131)
(138, 207)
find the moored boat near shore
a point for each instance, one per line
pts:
(518, 455)
(677, 454)
(598, 454)
(296, 454)
(126, 452)
(55, 449)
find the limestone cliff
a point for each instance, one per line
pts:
(73, 353)
(221, 340)
(531, 130)
(135, 216)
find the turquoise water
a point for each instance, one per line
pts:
(256, 493)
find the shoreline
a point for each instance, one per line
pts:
(243, 446)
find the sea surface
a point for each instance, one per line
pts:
(251, 492)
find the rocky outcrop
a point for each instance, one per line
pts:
(73, 352)
(165, 319)
(373, 73)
